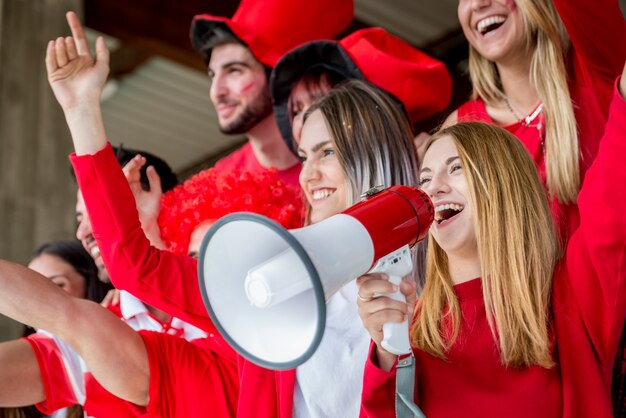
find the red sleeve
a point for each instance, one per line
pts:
(378, 399)
(189, 379)
(57, 366)
(102, 403)
(160, 278)
(56, 382)
(598, 34)
(596, 254)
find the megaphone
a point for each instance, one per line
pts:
(265, 288)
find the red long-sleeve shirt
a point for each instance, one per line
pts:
(168, 282)
(588, 309)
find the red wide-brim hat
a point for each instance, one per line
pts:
(270, 28)
(419, 82)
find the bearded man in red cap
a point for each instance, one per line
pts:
(239, 54)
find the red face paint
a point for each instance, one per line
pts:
(248, 87)
(512, 6)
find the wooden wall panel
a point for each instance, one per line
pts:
(37, 195)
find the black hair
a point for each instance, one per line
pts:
(73, 253)
(207, 34)
(169, 180)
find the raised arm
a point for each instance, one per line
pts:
(122, 368)
(160, 278)
(596, 254)
(598, 33)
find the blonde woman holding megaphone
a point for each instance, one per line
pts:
(507, 325)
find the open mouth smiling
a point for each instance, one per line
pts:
(444, 212)
(490, 23)
(322, 194)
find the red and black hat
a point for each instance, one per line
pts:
(270, 28)
(419, 82)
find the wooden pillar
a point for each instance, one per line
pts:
(37, 194)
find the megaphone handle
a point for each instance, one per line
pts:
(396, 334)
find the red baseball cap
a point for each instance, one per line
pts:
(419, 82)
(270, 28)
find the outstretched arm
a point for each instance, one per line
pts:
(596, 253)
(20, 379)
(122, 368)
(77, 81)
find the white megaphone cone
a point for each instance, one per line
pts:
(265, 288)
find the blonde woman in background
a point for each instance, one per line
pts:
(544, 71)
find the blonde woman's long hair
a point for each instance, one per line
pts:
(517, 246)
(548, 41)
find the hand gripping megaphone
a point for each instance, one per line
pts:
(265, 288)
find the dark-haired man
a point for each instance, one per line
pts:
(43, 370)
(239, 54)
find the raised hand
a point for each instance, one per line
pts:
(376, 311)
(73, 73)
(77, 81)
(148, 202)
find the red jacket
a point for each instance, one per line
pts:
(588, 311)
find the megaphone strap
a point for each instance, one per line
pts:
(405, 386)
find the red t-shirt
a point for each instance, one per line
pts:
(190, 379)
(244, 160)
(66, 378)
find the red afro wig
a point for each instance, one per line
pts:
(212, 194)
